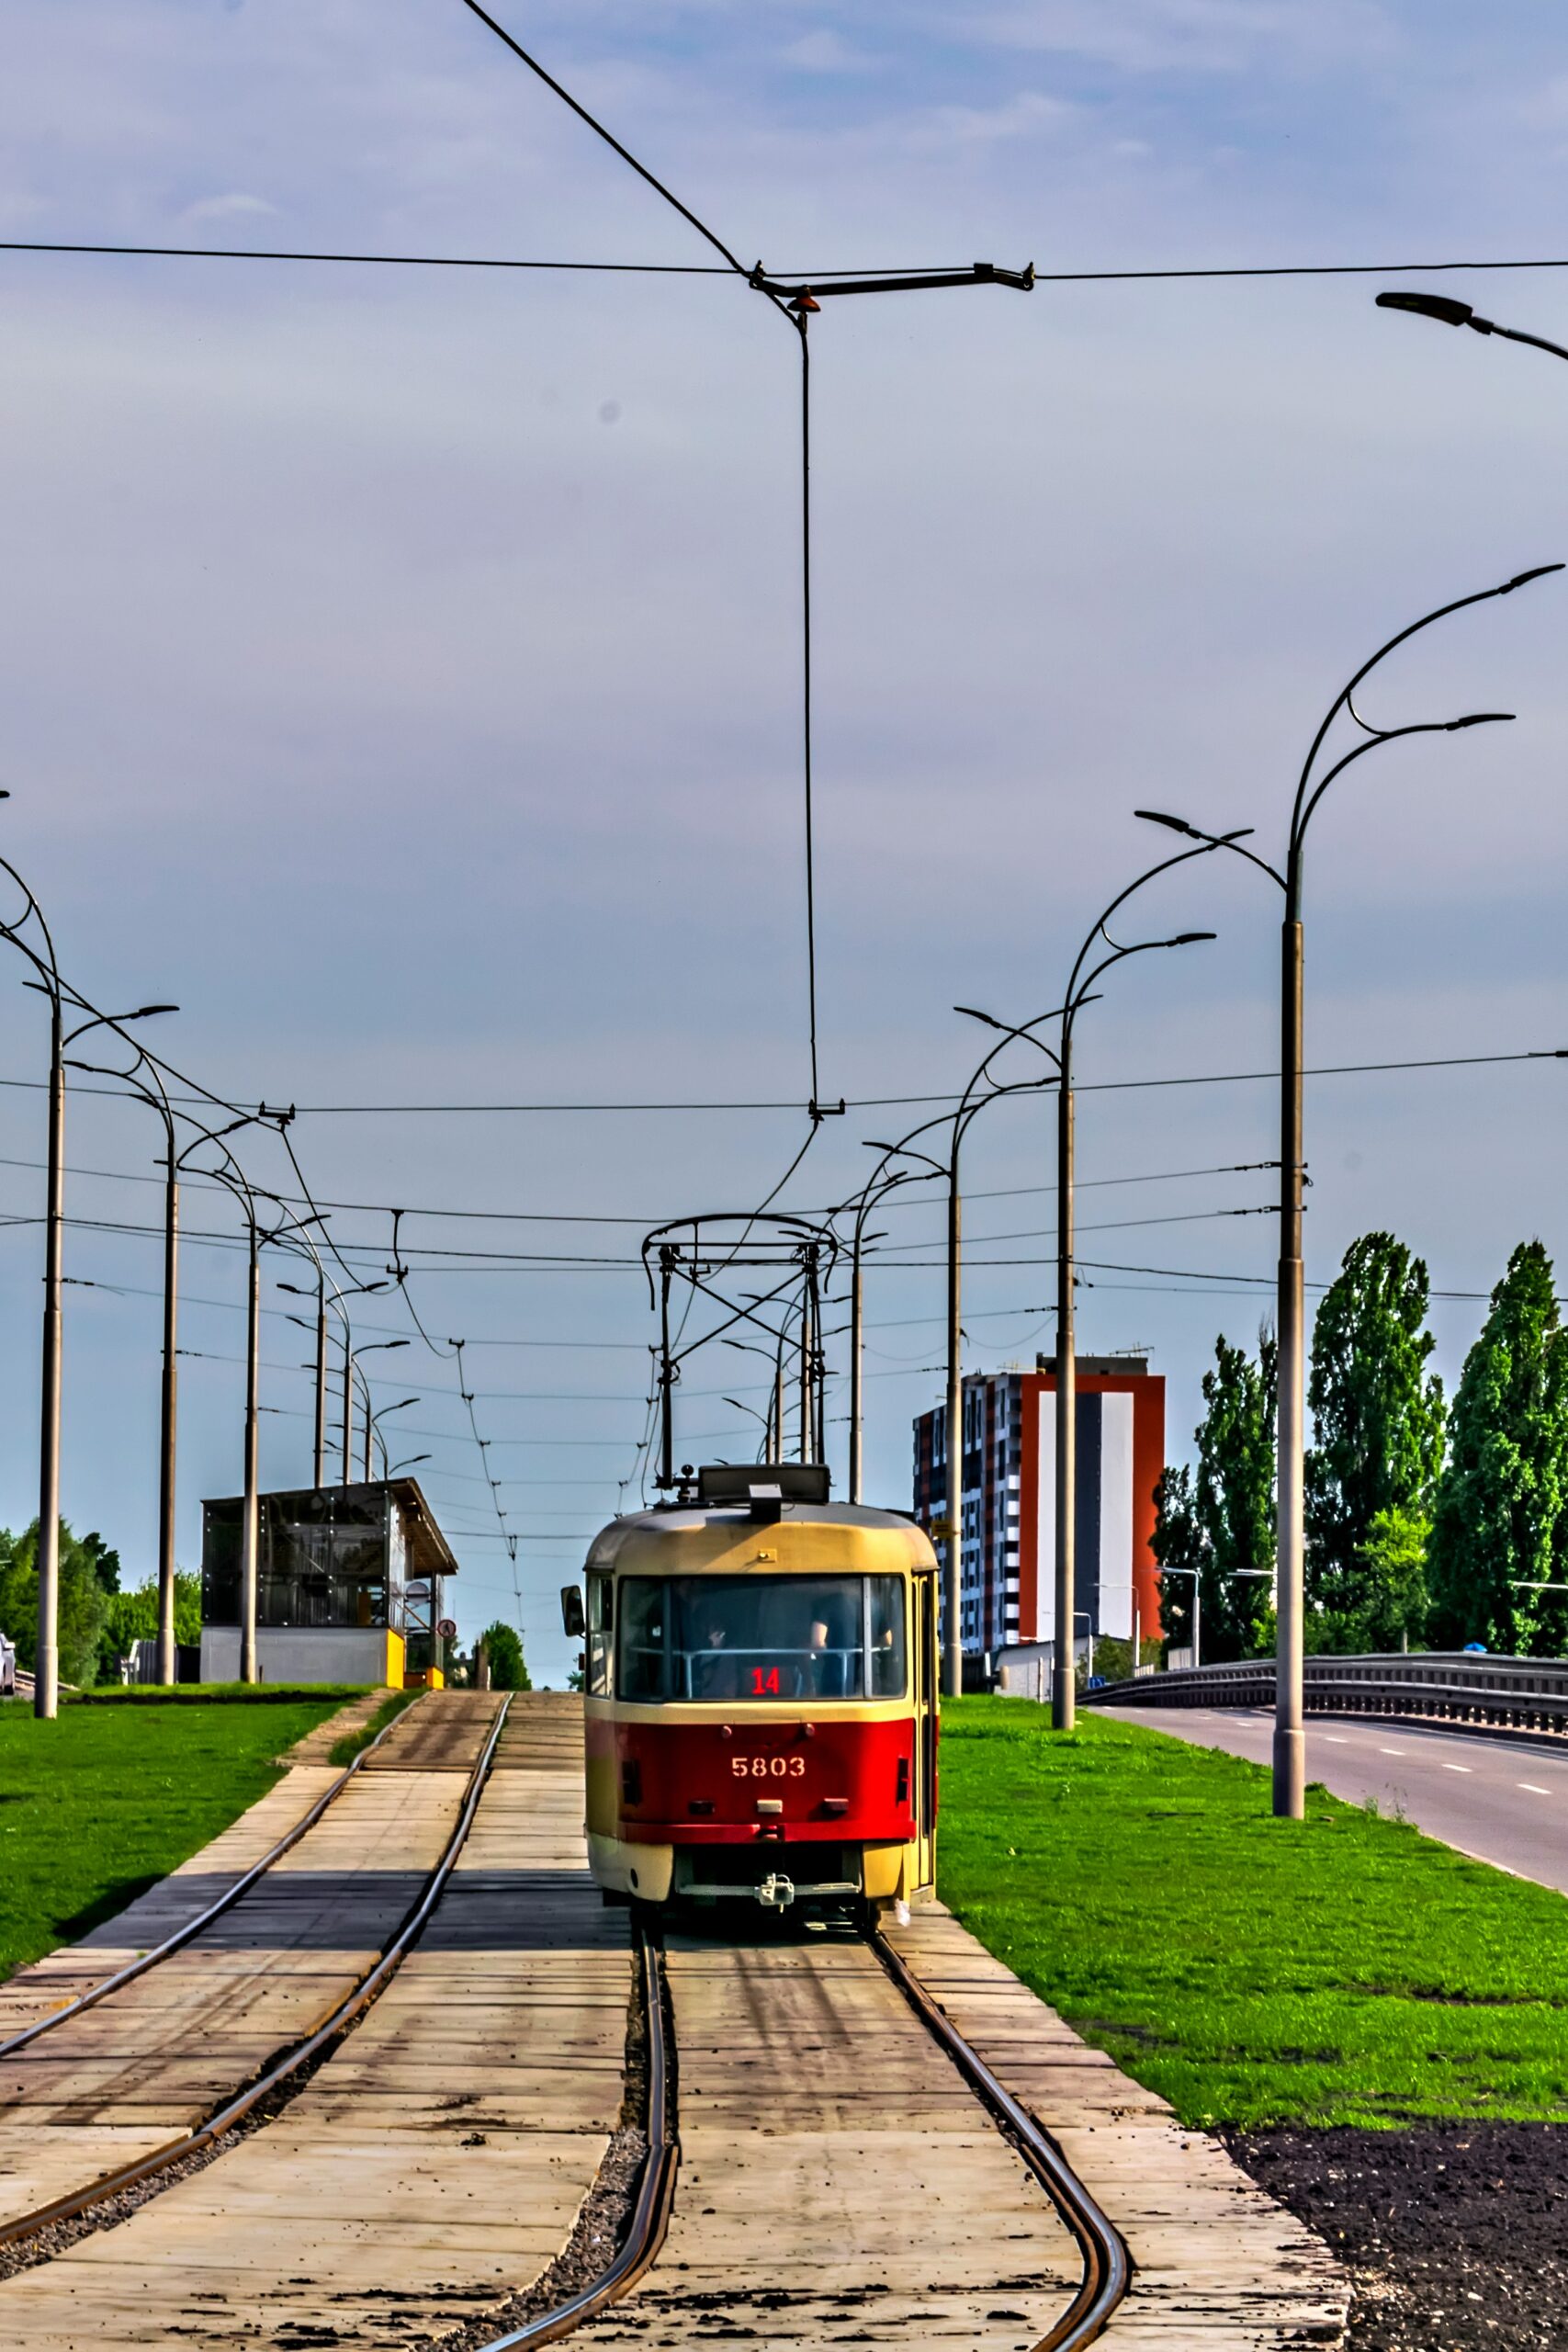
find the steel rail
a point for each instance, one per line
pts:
(1107, 2264)
(655, 2196)
(234, 2110)
(183, 1935)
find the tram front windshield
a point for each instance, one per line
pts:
(761, 1637)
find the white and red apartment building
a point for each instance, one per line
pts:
(1007, 1500)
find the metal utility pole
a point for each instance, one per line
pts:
(248, 1525)
(1064, 1679)
(1079, 992)
(46, 1664)
(319, 1448)
(869, 1196)
(1290, 1742)
(805, 1344)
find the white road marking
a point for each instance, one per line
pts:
(1334, 1739)
(1391, 1751)
(1533, 1789)
(1457, 1768)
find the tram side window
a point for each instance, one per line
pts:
(889, 1667)
(644, 1671)
(600, 1632)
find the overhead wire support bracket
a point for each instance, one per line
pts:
(981, 273)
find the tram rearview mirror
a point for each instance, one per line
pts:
(572, 1615)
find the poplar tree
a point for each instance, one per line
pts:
(1498, 1524)
(1378, 1421)
(1219, 1518)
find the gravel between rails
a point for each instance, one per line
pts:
(1456, 2234)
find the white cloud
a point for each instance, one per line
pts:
(1191, 36)
(825, 51)
(235, 206)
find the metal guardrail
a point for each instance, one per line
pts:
(1524, 1693)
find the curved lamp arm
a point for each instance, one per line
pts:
(1342, 700)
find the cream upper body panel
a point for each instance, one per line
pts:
(810, 1537)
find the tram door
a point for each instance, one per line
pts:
(923, 1593)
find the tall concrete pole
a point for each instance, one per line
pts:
(857, 1329)
(321, 1445)
(1290, 1741)
(168, 1415)
(248, 1525)
(1064, 1683)
(46, 1664)
(806, 1371)
(952, 1573)
(347, 1408)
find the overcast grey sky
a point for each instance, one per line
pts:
(401, 668)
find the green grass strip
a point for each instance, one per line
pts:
(98, 1806)
(1340, 1970)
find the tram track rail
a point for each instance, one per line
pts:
(1107, 2270)
(234, 2110)
(195, 1927)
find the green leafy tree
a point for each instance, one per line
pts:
(133, 1617)
(1497, 1524)
(84, 1602)
(1378, 1421)
(1219, 1518)
(503, 1646)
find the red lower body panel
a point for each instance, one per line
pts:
(721, 1784)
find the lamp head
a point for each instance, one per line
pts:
(1173, 824)
(146, 1012)
(972, 1012)
(1441, 307)
(1479, 719)
(1191, 938)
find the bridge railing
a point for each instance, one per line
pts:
(1528, 1693)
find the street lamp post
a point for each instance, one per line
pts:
(372, 1432)
(1196, 1601)
(145, 1079)
(1079, 992)
(46, 1662)
(970, 1103)
(1290, 1737)
(871, 1195)
(372, 1347)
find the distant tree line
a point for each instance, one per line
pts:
(98, 1623)
(1426, 1526)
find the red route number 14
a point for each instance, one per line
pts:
(765, 1683)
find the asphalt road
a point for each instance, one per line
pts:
(1503, 1800)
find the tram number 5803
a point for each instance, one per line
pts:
(767, 1767)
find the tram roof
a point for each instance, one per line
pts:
(650, 1532)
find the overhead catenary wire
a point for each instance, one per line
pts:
(1188, 272)
(851, 1103)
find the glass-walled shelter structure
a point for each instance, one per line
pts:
(345, 1576)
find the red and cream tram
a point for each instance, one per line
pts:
(759, 1681)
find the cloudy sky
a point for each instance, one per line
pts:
(401, 673)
